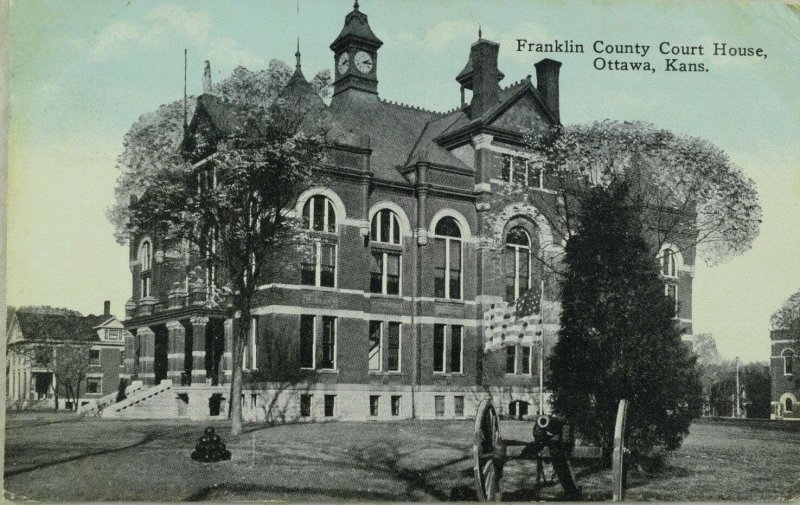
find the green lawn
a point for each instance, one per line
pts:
(63, 458)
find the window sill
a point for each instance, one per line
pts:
(455, 301)
(329, 289)
(327, 370)
(380, 372)
(521, 375)
(385, 246)
(448, 374)
(386, 296)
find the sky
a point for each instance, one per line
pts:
(82, 71)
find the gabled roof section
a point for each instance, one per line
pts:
(222, 115)
(58, 327)
(512, 94)
(507, 98)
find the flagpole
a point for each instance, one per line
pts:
(541, 353)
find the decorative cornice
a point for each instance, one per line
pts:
(199, 320)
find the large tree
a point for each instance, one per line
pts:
(240, 218)
(618, 339)
(688, 191)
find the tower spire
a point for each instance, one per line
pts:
(355, 5)
(297, 55)
(480, 35)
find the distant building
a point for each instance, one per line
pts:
(785, 372)
(387, 320)
(51, 354)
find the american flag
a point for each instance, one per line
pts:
(508, 324)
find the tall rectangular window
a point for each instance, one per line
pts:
(376, 273)
(455, 269)
(439, 405)
(511, 359)
(374, 355)
(94, 356)
(305, 405)
(439, 254)
(438, 347)
(330, 405)
(373, 405)
(384, 276)
(328, 355)
(321, 270)
(307, 342)
(671, 290)
(327, 264)
(525, 358)
(458, 406)
(396, 405)
(393, 348)
(456, 341)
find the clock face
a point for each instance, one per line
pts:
(363, 62)
(344, 63)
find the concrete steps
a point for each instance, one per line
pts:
(166, 401)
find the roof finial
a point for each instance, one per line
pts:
(355, 6)
(297, 54)
(479, 31)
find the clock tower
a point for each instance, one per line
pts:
(355, 53)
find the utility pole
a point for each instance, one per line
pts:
(738, 406)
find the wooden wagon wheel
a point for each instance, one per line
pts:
(488, 453)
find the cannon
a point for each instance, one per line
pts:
(552, 437)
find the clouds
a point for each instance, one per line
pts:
(169, 25)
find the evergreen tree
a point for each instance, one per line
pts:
(618, 339)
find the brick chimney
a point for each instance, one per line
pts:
(547, 84)
(107, 308)
(485, 86)
(207, 78)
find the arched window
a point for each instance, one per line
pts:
(146, 260)
(669, 266)
(319, 215)
(146, 255)
(385, 227)
(788, 404)
(447, 253)
(518, 263)
(386, 264)
(788, 361)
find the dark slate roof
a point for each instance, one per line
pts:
(356, 26)
(222, 114)
(64, 327)
(300, 94)
(393, 129)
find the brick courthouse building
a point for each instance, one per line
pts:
(387, 320)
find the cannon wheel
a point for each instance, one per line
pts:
(488, 453)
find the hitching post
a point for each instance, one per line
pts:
(618, 466)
